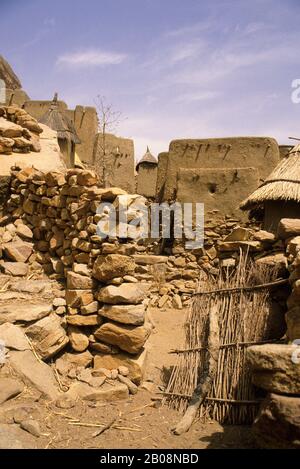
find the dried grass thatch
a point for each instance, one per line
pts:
(147, 158)
(282, 184)
(242, 300)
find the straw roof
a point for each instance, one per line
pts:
(147, 158)
(59, 121)
(282, 184)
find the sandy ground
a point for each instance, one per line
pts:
(140, 420)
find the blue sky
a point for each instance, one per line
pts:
(174, 68)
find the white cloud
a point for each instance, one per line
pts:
(191, 29)
(92, 57)
(196, 96)
(186, 51)
(228, 60)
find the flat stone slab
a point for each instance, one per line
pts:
(24, 312)
(149, 259)
(13, 437)
(9, 388)
(112, 265)
(106, 392)
(277, 425)
(131, 339)
(16, 269)
(274, 369)
(127, 293)
(18, 251)
(13, 337)
(38, 374)
(48, 336)
(125, 314)
(288, 227)
(31, 286)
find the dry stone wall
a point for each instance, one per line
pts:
(276, 367)
(103, 315)
(104, 310)
(54, 225)
(19, 133)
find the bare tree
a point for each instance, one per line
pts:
(108, 121)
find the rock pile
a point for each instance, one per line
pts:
(276, 367)
(19, 132)
(289, 230)
(51, 223)
(111, 282)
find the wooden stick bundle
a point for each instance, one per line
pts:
(242, 319)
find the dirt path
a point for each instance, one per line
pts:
(140, 420)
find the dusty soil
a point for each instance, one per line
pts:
(141, 421)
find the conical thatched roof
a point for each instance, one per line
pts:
(147, 158)
(282, 184)
(58, 120)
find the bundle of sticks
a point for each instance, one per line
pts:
(228, 313)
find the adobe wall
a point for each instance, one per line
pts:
(218, 189)
(261, 153)
(84, 120)
(117, 166)
(161, 173)
(86, 125)
(37, 108)
(146, 179)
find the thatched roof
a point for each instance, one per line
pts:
(282, 184)
(147, 158)
(59, 121)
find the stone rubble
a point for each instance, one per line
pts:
(19, 131)
(276, 367)
(95, 327)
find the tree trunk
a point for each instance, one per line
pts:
(207, 378)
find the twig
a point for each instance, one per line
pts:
(96, 425)
(4, 287)
(130, 429)
(106, 427)
(50, 442)
(61, 386)
(61, 414)
(232, 344)
(240, 289)
(235, 401)
(206, 380)
(142, 407)
(30, 276)
(33, 350)
(86, 424)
